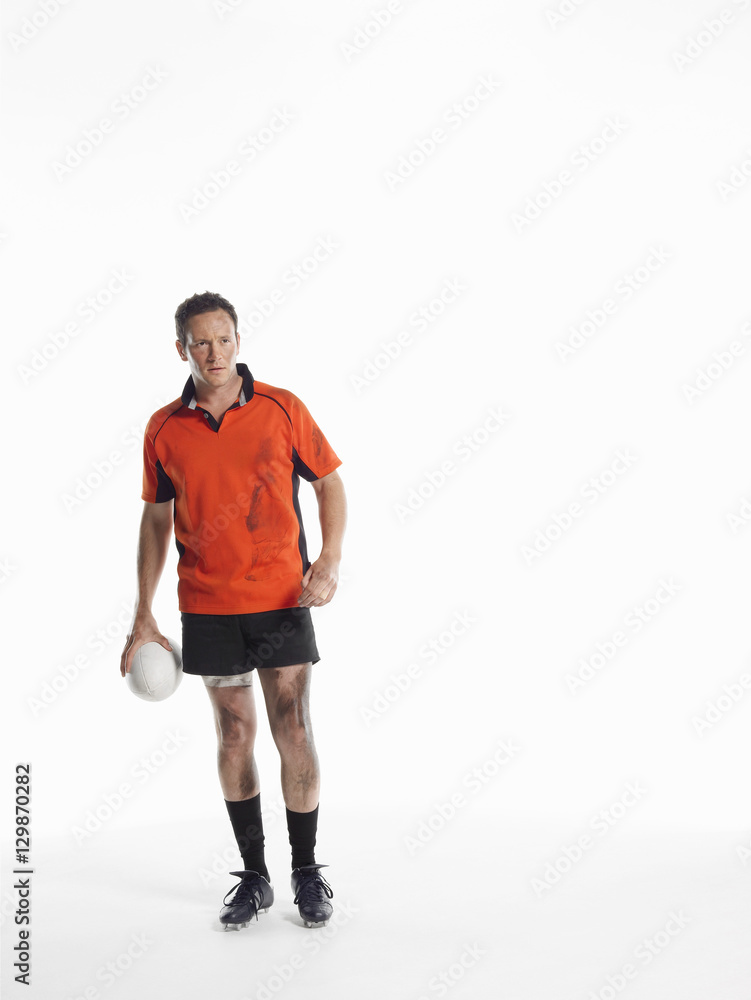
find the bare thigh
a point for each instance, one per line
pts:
(286, 691)
(235, 716)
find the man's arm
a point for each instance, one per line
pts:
(320, 582)
(153, 543)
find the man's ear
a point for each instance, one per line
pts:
(181, 350)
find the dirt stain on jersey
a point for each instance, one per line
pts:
(317, 441)
(267, 522)
(265, 452)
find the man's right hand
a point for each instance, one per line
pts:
(143, 629)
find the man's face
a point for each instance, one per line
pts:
(211, 348)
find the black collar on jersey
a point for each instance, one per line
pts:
(246, 393)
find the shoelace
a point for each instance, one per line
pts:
(310, 888)
(246, 891)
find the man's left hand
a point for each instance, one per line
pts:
(319, 583)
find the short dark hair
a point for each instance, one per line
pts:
(201, 303)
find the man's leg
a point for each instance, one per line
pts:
(286, 691)
(236, 724)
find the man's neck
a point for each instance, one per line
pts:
(222, 397)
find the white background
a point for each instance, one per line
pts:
(662, 199)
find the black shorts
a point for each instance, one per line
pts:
(226, 645)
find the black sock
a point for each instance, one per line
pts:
(247, 824)
(302, 836)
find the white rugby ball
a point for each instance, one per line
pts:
(155, 673)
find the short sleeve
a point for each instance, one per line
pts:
(313, 456)
(157, 485)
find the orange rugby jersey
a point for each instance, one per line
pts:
(238, 525)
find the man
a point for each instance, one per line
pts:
(222, 463)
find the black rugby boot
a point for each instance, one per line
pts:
(311, 891)
(252, 895)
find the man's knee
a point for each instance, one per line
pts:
(289, 715)
(292, 730)
(235, 725)
(234, 733)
